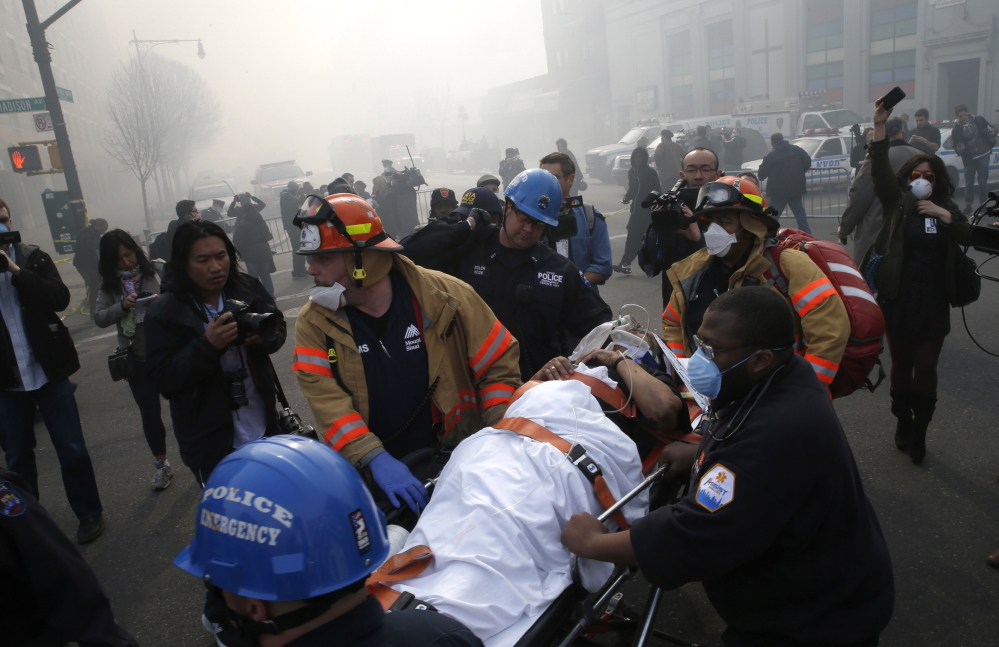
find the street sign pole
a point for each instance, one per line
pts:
(40, 49)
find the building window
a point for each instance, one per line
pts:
(893, 46)
(824, 43)
(680, 66)
(721, 67)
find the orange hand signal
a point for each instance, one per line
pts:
(18, 159)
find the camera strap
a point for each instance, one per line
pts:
(277, 386)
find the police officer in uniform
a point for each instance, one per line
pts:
(50, 596)
(536, 293)
(288, 532)
(776, 523)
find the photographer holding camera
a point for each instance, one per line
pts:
(37, 356)
(208, 343)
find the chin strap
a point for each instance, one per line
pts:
(359, 273)
(250, 630)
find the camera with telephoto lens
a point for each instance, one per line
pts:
(291, 423)
(237, 388)
(667, 208)
(251, 323)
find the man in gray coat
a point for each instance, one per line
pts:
(862, 217)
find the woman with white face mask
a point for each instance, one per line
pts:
(915, 279)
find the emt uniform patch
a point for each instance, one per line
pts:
(716, 488)
(11, 503)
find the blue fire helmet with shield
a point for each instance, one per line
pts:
(537, 193)
(285, 518)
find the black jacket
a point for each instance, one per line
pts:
(42, 294)
(290, 202)
(49, 595)
(251, 234)
(536, 293)
(88, 249)
(733, 152)
(785, 165)
(641, 180)
(975, 137)
(398, 211)
(187, 370)
(776, 524)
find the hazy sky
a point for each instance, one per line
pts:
(290, 75)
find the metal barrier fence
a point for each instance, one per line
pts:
(828, 192)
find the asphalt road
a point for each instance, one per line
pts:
(940, 519)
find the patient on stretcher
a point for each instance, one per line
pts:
(499, 507)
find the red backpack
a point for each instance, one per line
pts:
(867, 323)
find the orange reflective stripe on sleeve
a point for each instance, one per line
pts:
(677, 348)
(311, 360)
(812, 295)
(346, 429)
(670, 314)
(466, 400)
(824, 369)
(497, 342)
(495, 394)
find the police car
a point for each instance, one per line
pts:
(955, 165)
(830, 159)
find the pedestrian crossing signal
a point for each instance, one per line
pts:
(24, 158)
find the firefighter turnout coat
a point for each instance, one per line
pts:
(472, 355)
(821, 318)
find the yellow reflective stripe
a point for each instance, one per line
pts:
(363, 228)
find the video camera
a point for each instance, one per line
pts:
(251, 323)
(412, 177)
(667, 208)
(8, 238)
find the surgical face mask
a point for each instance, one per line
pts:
(328, 297)
(4, 228)
(718, 241)
(921, 188)
(704, 375)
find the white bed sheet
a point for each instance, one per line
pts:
(498, 510)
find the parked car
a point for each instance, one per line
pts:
(271, 179)
(203, 192)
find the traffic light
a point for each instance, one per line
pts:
(54, 157)
(24, 158)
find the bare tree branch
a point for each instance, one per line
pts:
(161, 112)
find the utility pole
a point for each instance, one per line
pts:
(40, 49)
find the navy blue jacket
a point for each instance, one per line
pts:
(776, 524)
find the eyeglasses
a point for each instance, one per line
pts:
(710, 351)
(525, 219)
(929, 176)
(700, 169)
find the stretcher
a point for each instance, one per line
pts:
(495, 562)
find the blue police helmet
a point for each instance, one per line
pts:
(537, 193)
(285, 518)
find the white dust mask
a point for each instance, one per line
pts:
(921, 188)
(328, 297)
(718, 241)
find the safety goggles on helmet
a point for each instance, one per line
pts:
(718, 196)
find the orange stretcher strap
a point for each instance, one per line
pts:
(614, 397)
(534, 431)
(403, 566)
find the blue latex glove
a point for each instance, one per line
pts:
(397, 482)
